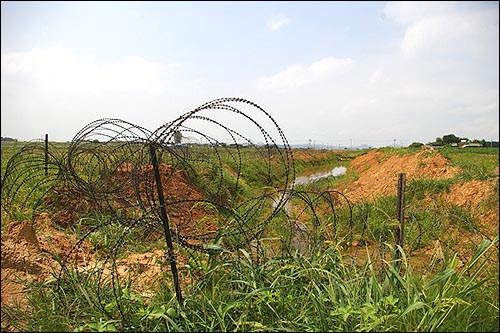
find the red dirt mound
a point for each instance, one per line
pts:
(28, 249)
(28, 254)
(378, 173)
(471, 196)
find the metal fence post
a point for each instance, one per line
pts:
(400, 214)
(46, 154)
(166, 228)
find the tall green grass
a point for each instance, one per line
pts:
(323, 292)
(475, 163)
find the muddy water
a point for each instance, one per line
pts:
(303, 180)
(299, 229)
(335, 172)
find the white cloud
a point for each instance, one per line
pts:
(377, 102)
(407, 12)
(44, 88)
(468, 33)
(275, 24)
(298, 75)
(375, 76)
(57, 69)
(449, 28)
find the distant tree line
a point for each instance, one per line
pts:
(453, 140)
(8, 139)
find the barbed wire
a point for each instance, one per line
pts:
(130, 178)
(212, 179)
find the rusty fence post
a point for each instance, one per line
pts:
(400, 214)
(166, 228)
(46, 154)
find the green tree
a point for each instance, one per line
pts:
(416, 145)
(450, 138)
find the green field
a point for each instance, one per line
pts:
(276, 287)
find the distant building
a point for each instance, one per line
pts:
(464, 144)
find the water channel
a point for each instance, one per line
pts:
(299, 229)
(304, 180)
(335, 172)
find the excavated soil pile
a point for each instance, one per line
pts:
(378, 174)
(28, 248)
(471, 196)
(29, 255)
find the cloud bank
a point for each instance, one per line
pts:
(439, 76)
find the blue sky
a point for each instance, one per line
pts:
(334, 73)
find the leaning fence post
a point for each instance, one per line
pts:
(166, 228)
(400, 214)
(46, 154)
